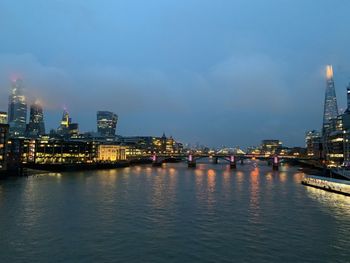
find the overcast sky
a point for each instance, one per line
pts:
(216, 72)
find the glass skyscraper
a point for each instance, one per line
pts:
(17, 112)
(330, 112)
(36, 126)
(106, 123)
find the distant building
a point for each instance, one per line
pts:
(143, 145)
(3, 117)
(270, 146)
(67, 129)
(330, 114)
(4, 134)
(36, 125)
(106, 123)
(313, 143)
(17, 111)
(63, 129)
(73, 130)
(330, 102)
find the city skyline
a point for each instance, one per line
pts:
(220, 76)
(107, 120)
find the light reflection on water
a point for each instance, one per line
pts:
(335, 204)
(254, 196)
(173, 213)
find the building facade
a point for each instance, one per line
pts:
(3, 117)
(106, 123)
(111, 153)
(4, 134)
(313, 143)
(36, 125)
(17, 110)
(271, 146)
(67, 129)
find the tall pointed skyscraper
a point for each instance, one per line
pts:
(17, 112)
(330, 101)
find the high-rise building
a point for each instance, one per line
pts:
(17, 112)
(106, 123)
(63, 129)
(36, 126)
(313, 144)
(330, 102)
(67, 128)
(3, 117)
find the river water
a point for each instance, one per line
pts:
(172, 214)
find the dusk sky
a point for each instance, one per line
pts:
(217, 72)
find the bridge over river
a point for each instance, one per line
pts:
(231, 159)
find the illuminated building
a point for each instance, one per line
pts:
(330, 103)
(63, 129)
(106, 123)
(17, 111)
(57, 151)
(67, 129)
(313, 142)
(111, 153)
(4, 132)
(330, 111)
(36, 126)
(139, 145)
(271, 146)
(3, 117)
(346, 129)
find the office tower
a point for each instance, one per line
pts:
(3, 117)
(63, 129)
(330, 112)
(17, 112)
(36, 126)
(67, 128)
(106, 123)
(313, 143)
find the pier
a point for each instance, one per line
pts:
(328, 184)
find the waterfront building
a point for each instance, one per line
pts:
(111, 153)
(147, 145)
(270, 146)
(4, 134)
(36, 125)
(17, 110)
(106, 123)
(313, 143)
(346, 129)
(47, 150)
(3, 117)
